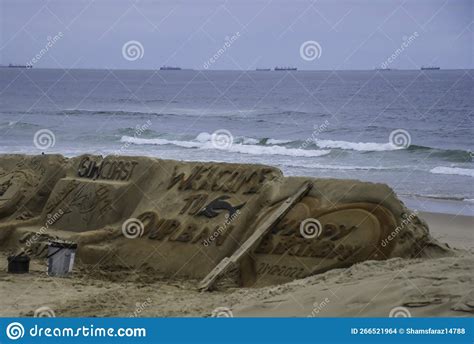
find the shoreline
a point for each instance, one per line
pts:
(425, 204)
(455, 230)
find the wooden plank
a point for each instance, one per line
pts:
(255, 238)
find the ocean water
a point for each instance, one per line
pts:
(320, 124)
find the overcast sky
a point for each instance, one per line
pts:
(260, 33)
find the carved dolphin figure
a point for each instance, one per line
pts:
(216, 206)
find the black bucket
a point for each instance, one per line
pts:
(18, 264)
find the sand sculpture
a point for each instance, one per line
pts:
(184, 218)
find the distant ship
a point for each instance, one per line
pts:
(169, 68)
(383, 69)
(263, 69)
(285, 68)
(17, 66)
(429, 68)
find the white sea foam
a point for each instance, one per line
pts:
(358, 146)
(159, 142)
(276, 150)
(203, 142)
(203, 137)
(453, 170)
(277, 142)
(341, 167)
(250, 141)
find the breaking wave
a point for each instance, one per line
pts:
(357, 146)
(203, 141)
(453, 171)
(299, 148)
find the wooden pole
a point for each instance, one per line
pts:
(255, 238)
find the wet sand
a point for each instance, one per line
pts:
(455, 230)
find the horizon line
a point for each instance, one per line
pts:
(375, 69)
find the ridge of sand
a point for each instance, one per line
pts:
(440, 287)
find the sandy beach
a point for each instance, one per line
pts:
(437, 287)
(454, 230)
(426, 273)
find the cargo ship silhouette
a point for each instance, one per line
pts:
(17, 66)
(169, 68)
(429, 68)
(286, 68)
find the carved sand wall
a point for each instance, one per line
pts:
(183, 218)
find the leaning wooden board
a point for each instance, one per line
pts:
(255, 238)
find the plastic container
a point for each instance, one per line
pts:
(18, 264)
(61, 256)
